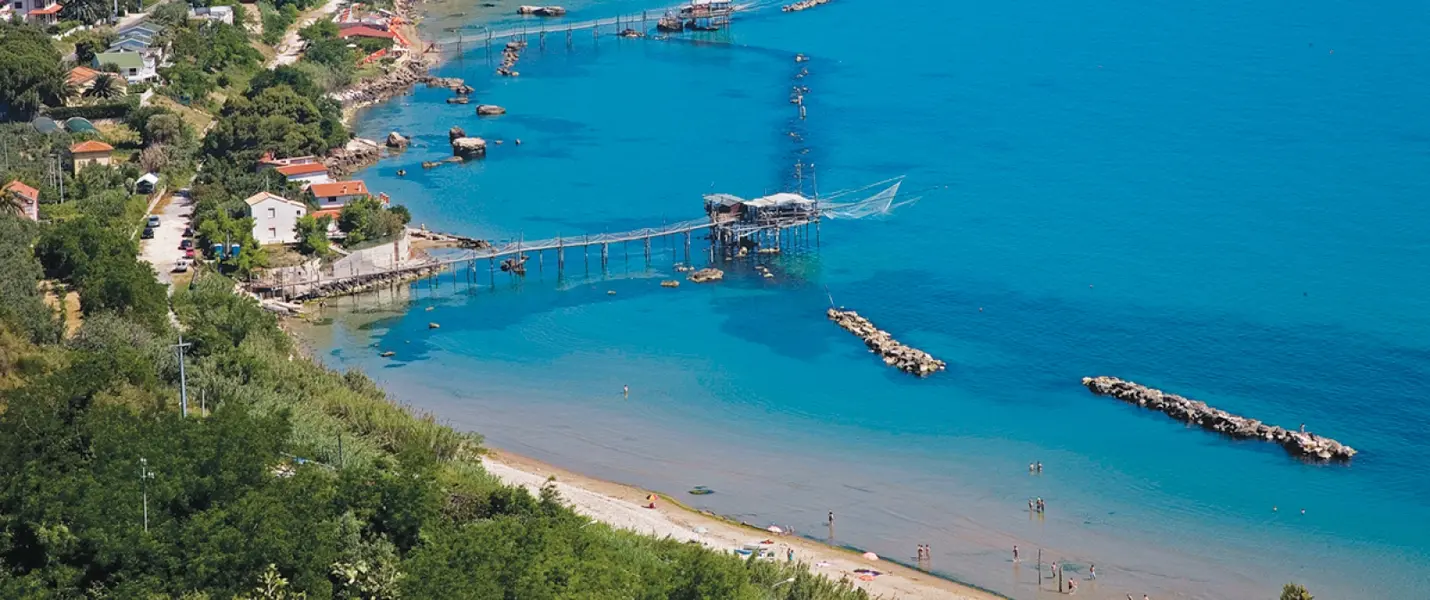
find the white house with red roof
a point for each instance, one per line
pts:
(337, 194)
(44, 12)
(29, 198)
(305, 173)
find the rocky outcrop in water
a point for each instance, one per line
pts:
(469, 147)
(490, 110)
(802, 5)
(904, 358)
(393, 83)
(357, 154)
(397, 140)
(707, 275)
(1300, 443)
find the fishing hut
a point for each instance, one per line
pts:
(761, 223)
(707, 15)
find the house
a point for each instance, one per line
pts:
(146, 183)
(134, 67)
(90, 153)
(29, 199)
(82, 79)
(337, 194)
(275, 218)
(334, 214)
(44, 12)
(306, 173)
(369, 31)
(223, 14)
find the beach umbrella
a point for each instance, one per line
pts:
(871, 556)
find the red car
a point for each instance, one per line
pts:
(189, 253)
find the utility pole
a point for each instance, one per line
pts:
(183, 382)
(144, 476)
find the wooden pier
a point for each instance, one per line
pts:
(736, 228)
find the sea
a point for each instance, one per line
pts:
(1224, 200)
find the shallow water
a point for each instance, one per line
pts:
(1218, 200)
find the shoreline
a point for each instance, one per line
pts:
(620, 505)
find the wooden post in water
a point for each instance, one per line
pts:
(568, 37)
(605, 254)
(687, 248)
(647, 251)
(492, 269)
(560, 257)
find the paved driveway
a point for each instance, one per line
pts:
(163, 249)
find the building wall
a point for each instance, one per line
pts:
(311, 178)
(337, 201)
(85, 159)
(274, 221)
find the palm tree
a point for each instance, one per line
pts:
(11, 203)
(105, 86)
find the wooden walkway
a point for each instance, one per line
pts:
(643, 22)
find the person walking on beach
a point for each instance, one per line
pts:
(1030, 505)
(831, 518)
(1015, 553)
(1092, 571)
(626, 389)
(790, 554)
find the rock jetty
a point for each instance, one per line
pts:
(357, 154)
(393, 83)
(509, 55)
(904, 358)
(1300, 443)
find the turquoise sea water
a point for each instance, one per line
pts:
(1221, 200)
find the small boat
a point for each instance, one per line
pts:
(669, 24)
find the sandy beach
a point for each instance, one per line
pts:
(624, 506)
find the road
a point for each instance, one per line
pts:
(290, 48)
(163, 249)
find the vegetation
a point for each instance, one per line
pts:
(1293, 591)
(313, 235)
(365, 219)
(292, 480)
(32, 75)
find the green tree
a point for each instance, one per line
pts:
(31, 73)
(91, 42)
(1294, 591)
(277, 120)
(313, 235)
(164, 128)
(321, 30)
(365, 219)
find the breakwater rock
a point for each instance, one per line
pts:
(904, 358)
(357, 154)
(509, 55)
(397, 140)
(1300, 443)
(489, 110)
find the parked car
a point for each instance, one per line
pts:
(189, 253)
(188, 232)
(181, 265)
(153, 220)
(186, 245)
(148, 233)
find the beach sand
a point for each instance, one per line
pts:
(624, 507)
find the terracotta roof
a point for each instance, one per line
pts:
(331, 212)
(338, 188)
(303, 169)
(79, 75)
(365, 31)
(91, 146)
(23, 190)
(48, 10)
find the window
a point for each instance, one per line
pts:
(133, 72)
(272, 213)
(272, 233)
(19, 6)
